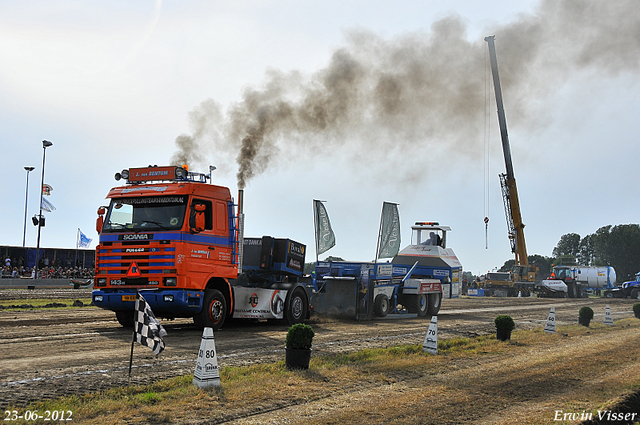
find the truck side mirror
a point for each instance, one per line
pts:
(100, 220)
(198, 222)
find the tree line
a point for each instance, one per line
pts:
(615, 246)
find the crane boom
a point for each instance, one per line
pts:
(508, 180)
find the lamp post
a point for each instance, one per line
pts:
(26, 198)
(45, 145)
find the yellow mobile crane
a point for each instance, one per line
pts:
(523, 276)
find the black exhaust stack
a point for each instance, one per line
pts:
(240, 229)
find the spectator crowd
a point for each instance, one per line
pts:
(45, 270)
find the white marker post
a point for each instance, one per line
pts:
(207, 373)
(608, 319)
(550, 327)
(430, 344)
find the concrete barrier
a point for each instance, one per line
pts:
(41, 283)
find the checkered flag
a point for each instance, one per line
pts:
(147, 329)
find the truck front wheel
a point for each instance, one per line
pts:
(125, 318)
(214, 310)
(296, 307)
(634, 294)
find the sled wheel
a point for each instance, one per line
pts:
(296, 307)
(418, 304)
(434, 303)
(125, 318)
(214, 310)
(381, 305)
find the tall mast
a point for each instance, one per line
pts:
(508, 180)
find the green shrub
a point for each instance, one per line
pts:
(586, 312)
(299, 337)
(504, 321)
(636, 308)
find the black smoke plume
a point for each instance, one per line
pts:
(420, 93)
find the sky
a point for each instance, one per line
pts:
(353, 103)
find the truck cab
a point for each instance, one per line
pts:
(176, 239)
(630, 288)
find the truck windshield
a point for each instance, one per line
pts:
(498, 276)
(562, 273)
(145, 214)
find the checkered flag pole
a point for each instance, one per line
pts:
(147, 330)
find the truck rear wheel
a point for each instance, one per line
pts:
(434, 303)
(214, 310)
(296, 307)
(634, 294)
(381, 305)
(125, 318)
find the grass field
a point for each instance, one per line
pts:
(41, 303)
(525, 380)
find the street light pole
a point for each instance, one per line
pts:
(45, 145)
(26, 198)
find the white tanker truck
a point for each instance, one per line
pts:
(575, 281)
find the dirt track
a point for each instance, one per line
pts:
(47, 353)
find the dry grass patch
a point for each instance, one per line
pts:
(478, 380)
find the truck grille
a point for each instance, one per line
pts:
(153, 258)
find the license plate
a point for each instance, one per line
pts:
(128, 298)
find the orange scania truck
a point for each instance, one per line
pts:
(177, 238)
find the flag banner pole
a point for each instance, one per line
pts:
(379, 236)
(133, 339)
(315, 227)
(375, 260)
(78, 238)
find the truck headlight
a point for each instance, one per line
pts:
(168, 298)
(97, 298)
(170, 281)
(102, 281)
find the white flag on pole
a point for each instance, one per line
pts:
(389, 238)
(325, 238)
(83, 241)
(46, 205)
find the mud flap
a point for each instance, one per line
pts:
(364, 297)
